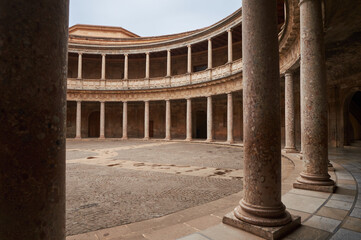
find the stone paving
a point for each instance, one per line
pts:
(324, 215)
(112, 183)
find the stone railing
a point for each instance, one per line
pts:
(154, 83)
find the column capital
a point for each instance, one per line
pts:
(167, 99)
(169, 50)
(229, 30)
(102, 101)
(147, 53)
(146, 101)
(303, 1)
(209, 39)
(103, 54)
(189, 45)
(126, 54)
(79, 101)
(80, 53)
(288, 73)
(125, 101)
(229, 93)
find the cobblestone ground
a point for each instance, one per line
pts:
(111, 183)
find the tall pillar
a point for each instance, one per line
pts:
(230, 118)
(167, 120)
(210, 52)
(126, 66)
(230, 46)
(33, 110)
(147, 60)
(261, 206)
(314, 129)
(146, 120)
(169, 63)
(289, 114)
(189, 120)
(103, 67)
(80, 65)
(125, 121)
(78, 120)
(102, 119)
(189, 62)
(209, 119)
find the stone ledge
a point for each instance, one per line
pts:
(328, 189)
(265, 232)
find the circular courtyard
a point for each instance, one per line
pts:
(112, 183)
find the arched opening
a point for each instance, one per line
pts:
(94, 125)
(352, 116)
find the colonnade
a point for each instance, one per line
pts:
(169, 60)
(167, 119)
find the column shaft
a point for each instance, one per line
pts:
(33, 60)
(126, 66)
(169, 63)
(103, 67)
(125, 120)
(146, 120)
(230, 46)
(78, 119)
(80, 65)
(261, 203)
(210, 53)
(289, 113)
(209, 119)
(167, 120)
(189, 62)
(314, 129)
(147, 60)
(230, 118)
(102, 119)
(189, 120)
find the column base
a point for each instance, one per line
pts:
(328, 189)
(289, 150)
(265, 232)
(77, 138)
(124, 138)
(188, 139)
(209, 140)
(230, 141)
(167, 139)
(146, 138)
(313, 182)
(102, 137)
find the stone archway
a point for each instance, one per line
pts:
(352, 118)
(94, 125)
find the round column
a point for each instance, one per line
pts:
(189, 120)
(102, 120)
(146, 120)
(169, 63)
(314, 129)
(78, 120)
(230, 46)
(209, 119)
(33, 109)
(126, 66)
(167, 120)
(80, 65)
(189, 61)
(103, 67)
(125, 121)
(147, 63)
(210, 54)
(289, 113)
(261, 204)
(230, 118)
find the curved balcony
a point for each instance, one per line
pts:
(157, 83)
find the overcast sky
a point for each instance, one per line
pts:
(152, 17)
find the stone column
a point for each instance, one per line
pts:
(33, 60)
(189, 62)
(230, 118)
(80, 65)
(289, 114)
(126, 66)
(147, 60)
(146, 120)
(78, 120)
(125, 121)
(169, 63)
(102, 119)
(261, 204)
(209, 119)
(314, 129)
(210, 60)
(167, 120)
(189, 120)
(103, 67)
(230, 46)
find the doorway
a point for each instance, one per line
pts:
(201, 124)
(353, 120)
(94, 125)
